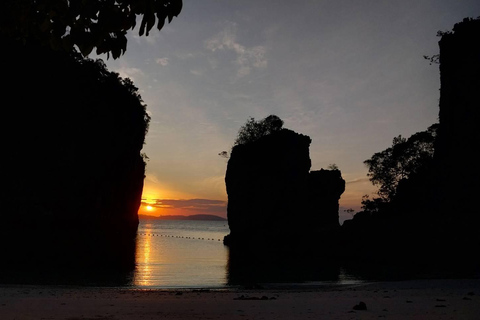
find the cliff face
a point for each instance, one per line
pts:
(437, 206)
(324, 190)
(71, 136)
(273, 196)
(458, 136)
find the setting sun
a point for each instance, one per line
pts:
(149, 208)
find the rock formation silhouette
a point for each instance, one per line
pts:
(273, 199)
(457, 143)
(433, 215)
(281, 215)
(324, 190)
(71, 168)
(455, 185)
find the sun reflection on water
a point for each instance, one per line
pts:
(180, 254)
(143, 273)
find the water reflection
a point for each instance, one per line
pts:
(172, 254)
(189, 254)
(180, 254)
(143, 258)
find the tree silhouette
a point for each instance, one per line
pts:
(253, 130)
(404, 158)
(84, 24)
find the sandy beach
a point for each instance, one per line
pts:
(419, 299)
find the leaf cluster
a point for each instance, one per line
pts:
(435, 59)
(84, 24)
(253, 130)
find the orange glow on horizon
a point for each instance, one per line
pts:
(157, 202)
(153, 192)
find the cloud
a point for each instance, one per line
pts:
(151, 177)
(247, 58)
(358, 180)
(202, 205)
(196, 72)
(162, 61)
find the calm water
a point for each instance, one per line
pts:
(191, 254)
(172, 253)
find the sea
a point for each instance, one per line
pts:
(176, 254)
(191, 254)
(181, 254)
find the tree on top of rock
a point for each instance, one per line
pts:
(253, 130)
(84, 24)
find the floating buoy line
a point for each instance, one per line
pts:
(178, 237)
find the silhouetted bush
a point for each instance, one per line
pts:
(253, 130)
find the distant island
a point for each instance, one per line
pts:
(209, 217)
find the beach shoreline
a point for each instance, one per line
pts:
(413, 299)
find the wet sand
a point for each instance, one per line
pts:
(419, 299)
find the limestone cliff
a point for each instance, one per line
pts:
(272, 196)
(324, 190)
(71, 169)
(434, 214)
(457, 143)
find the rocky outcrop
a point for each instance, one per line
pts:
(273, 199)
(457, 143)
(71, 168)
(433, 217)
(324, 190)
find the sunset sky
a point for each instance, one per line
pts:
(350, 74)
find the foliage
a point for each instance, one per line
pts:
(84, 24)
(253, 130)
(404, 158)
(374, 205)
(224, 154)
(332, 166)
(435, 59)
